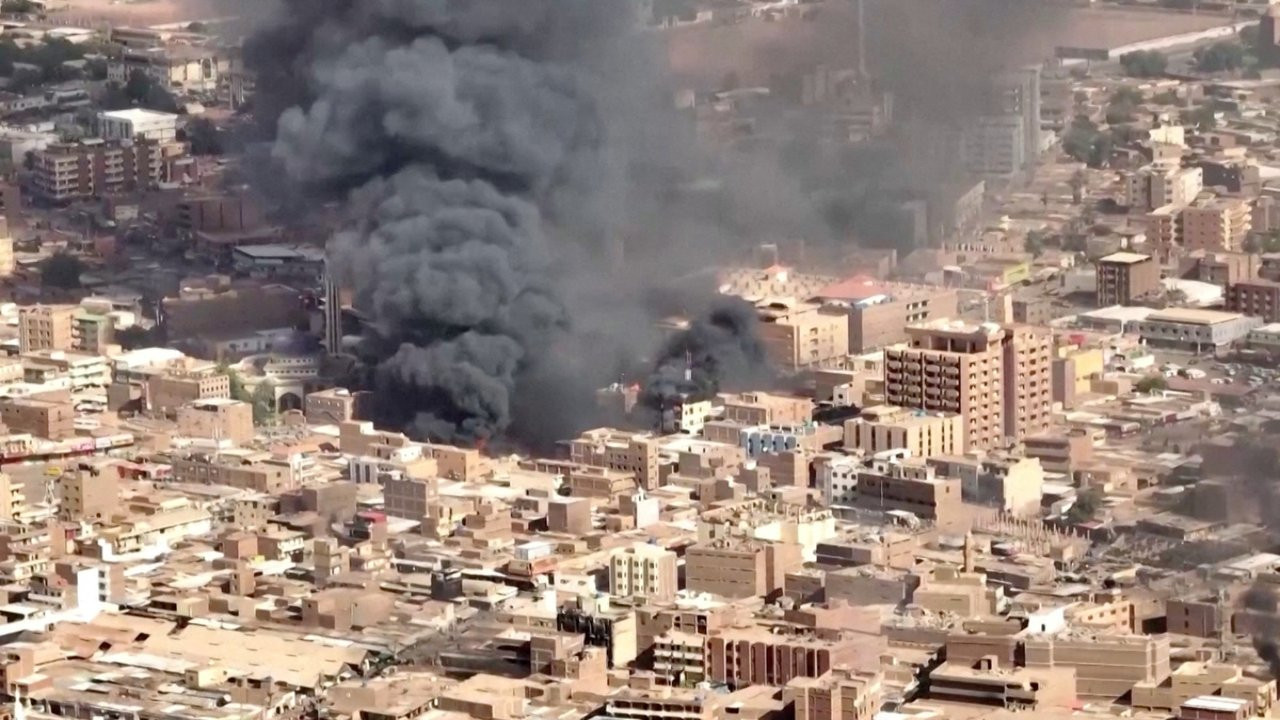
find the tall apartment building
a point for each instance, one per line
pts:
(93, 168)
(619, 450)
(921, 433)
(1124, 276)
(1028, 381)
(801, 335)
(994, 146)
(1162, 184)
(409, 497)
(961, 368)
(1260, 298)
(955, 368)
(46, 327)
(1217, 224)
(646, 571)
(8, 263)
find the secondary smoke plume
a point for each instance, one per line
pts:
(721, 351)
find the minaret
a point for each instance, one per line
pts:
(332, 312)
(968, 552)
(862, 40)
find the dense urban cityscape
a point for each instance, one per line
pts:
(639, 359)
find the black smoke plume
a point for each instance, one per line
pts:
(721, 350)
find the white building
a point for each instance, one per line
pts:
(138, 123)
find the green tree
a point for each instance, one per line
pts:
(62, 270)
(21, 7)
(1168, 97)
(138, 86)
(1085, 508)
(1203, 117)
(264, 402)
(205, 138)
(1034, 243)
(1151, 383)
(1222, 56)
(1144, 63)
(115, 97)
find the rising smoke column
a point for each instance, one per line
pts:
(462, 135)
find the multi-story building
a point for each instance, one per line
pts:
(138, 124)
(879, 312)
(8, 263)
(740, 569)
(409, 497)
(838, 694)
(46, 327)
(911, 487)
(1195, 330)
(758, 408)
(741, 657)
(1124, 277)
(78, 370)
(218, 418)
(1260, 298)
(83, 495)
(994, 146)
(1028, 381)
(976, 372)
(1216, 224)
(1164, 225)
(74, 171)
(646, 571)
(921, 433)
(801, 335)
(619, 450)
(42, 418)
(167, 391)
(1161, 184)
(257, 472)
(1108, 667)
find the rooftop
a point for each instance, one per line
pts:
(1126, 258)
(137, 115)
(1193, 316)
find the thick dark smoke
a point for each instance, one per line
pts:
(719, 351)
(515, 178)
(489, 151)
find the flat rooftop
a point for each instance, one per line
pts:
(1193, 316)
(1126, 258)
(138, 115)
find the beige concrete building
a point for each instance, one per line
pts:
(1124, 277)
(409, 497)
(1108, 667)
(1028, 381)
(219, 419)
(50, 419)
(922, 433)
(83, 495)
(838, 694)
(646, 571)
(621, 450)
(1196, 679)
(1161, 184)
(758, 408)
(257, 472)
(879, 312)
(1163, 226)
(1216, 224)
(739, 569)
(168, 391)
(46, 327)
(333, 406)
(802, 335)
(911, 487)
(999, 380)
